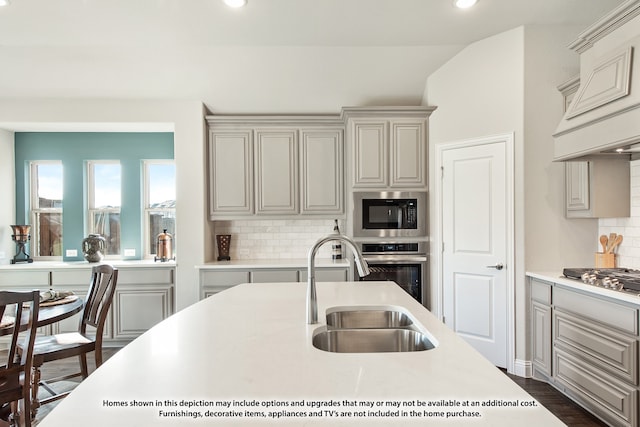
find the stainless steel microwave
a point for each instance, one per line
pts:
(389, 214)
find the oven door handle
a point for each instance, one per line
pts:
(395, 258)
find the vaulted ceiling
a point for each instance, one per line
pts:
(271, 56)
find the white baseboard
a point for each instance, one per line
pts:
(523, 368)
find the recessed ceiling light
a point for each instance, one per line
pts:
(464, 4)
(4, 2)
(233, 3)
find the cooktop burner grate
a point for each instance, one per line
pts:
(630, 279)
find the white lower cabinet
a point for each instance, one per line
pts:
(589, 349)
(144, 296)
(213, 281)
(541, 328)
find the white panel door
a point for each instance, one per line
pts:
(474, 221)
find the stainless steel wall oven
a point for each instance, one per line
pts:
(400, 262)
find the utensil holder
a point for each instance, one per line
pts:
(605, 260)
(224, 243)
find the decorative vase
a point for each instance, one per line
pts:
(224, 242)
(93, 247)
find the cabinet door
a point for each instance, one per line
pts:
(276, 169)
(143, 298)
(408, 154)
(321, 162)
(541, 336)
(370, 147)
(230, 173)
(139, 308)
(577, 189)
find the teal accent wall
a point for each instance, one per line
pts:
(74, 150)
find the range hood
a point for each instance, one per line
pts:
(604, 115)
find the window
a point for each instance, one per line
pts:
(159, 202)
(46, 209)
(104, 202)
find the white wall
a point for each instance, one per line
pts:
(552, 242)
(508, 83)
(187, 120)
(7, 196)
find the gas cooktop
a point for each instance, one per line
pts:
(620, 279)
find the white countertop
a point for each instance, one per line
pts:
(273, 263)
(555, 277)
(252, 343)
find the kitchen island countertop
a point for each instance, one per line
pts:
(245, 356)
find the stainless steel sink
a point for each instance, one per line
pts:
(368, 318)
(371, 340)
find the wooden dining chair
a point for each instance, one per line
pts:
(61, 346)
(15, 375)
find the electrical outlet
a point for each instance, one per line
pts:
(129, 252)
(71, 252)
(3, 255)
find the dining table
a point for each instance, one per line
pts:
(49, 313)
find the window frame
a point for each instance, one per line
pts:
(147, 209)
(35, 209)
(92, 210)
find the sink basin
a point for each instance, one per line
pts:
(368, 318)
(371, 340)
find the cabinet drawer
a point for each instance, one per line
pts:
(224, 279)
(611, 399)
(541, 291)
(610, 350)
(145, 275)
(267, 276)
(617, 316)
(65, 278)
(330, 275)
(35, 279)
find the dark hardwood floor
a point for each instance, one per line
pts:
(561, 406)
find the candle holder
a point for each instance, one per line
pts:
(21, 235)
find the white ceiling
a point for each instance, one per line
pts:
(273, 56)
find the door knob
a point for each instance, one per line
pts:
(498, 266)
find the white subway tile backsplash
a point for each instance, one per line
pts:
(629, 250)
(275, 239)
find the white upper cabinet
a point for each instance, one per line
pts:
(321, 171)
(276, 171)
(231, 172)
(370, 147)
(277, 166)
(408, 157)
(388, 147)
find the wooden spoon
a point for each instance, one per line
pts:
(604, 242)
(612, 238)
(615, 243)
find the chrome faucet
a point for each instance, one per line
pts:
(312, 299)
